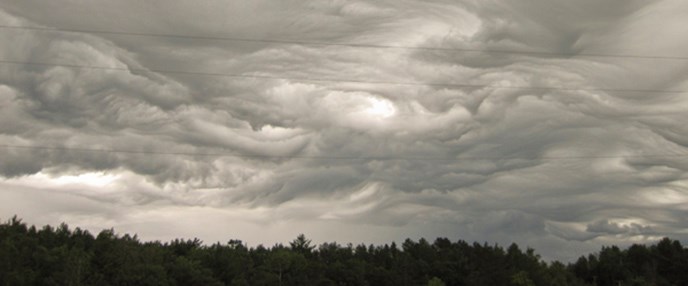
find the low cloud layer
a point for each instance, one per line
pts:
(546, 123)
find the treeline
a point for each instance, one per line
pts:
(60, 256)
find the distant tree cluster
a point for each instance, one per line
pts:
(60, 256)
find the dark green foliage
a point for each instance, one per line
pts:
(60, 256)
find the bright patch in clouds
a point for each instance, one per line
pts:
(95, 179)
(88, 179)
(380, 108)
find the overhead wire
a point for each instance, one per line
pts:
(319, 43)
(302, 42)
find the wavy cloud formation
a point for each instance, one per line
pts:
(552, 145)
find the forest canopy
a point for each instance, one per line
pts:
(63, 256)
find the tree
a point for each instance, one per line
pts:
(60, 256)
(435, 282)
(521, 279)
(301, 245)
(190, 272)
(285, 264)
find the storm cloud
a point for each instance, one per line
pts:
(553, 124)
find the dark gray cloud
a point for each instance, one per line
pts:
(304, 142)
(605, 226)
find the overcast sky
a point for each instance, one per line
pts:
(559, 125)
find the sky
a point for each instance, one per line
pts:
(558, 125)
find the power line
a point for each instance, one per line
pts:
(355, 45)
(254, 76)
(370, 158)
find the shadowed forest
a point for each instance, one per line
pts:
(60, 256)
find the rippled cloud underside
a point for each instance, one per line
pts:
(554, 124)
